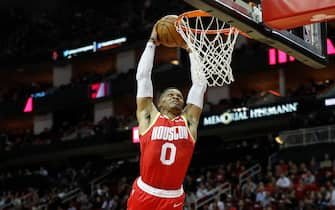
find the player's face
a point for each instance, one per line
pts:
(172, 99)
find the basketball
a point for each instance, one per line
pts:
(166, 32)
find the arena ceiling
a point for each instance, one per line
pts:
(33, 29)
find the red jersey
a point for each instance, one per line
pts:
(166, 151)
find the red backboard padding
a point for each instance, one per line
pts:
(285, 14)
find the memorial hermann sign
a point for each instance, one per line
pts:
(244, 113)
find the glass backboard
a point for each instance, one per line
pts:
(306, 43)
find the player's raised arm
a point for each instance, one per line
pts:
(144, 99)
(195, 98)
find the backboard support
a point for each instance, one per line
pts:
(307, 44)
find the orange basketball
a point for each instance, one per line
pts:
(166, 32)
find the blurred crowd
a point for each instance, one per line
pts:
(82, 130)
(284, 184)
(27, 188)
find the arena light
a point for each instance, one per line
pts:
(330, 101)
(330, 47)
(174, 62)
(40, 94)
(68, 53)
(111, 42)
(275, 93)
(28, 105)
(272, 56)
(99, 90)
(136, 135)
(279, 140)
(282, 57)
(279, 57)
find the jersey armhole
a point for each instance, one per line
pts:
(188, 128)
(151, 124)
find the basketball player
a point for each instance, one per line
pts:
(167, 137)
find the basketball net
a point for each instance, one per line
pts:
(211, 42)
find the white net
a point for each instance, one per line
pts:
(204, 36)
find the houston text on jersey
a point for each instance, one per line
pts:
(169, 133)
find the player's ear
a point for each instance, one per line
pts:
(159, 102)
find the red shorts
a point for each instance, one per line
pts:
(141, 200)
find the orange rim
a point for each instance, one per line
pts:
(200, 13)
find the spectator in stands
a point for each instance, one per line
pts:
(43, 171)
(202, 191)
(217, 204)
(309, 200)
(320, 200)
(107, 203)
(239, 168)
(241, 205)
(326, 163)
(302, 169)
(281, 168)
(308, 178)
(97, 202)
(284, 201)
(332, 196)
(249, 189)
(84, 202)
(328, 193)
(283, 182)
(301, 206)
(262, 197)
(299, 188)
(292, 167)
(314, 166)
(72, 206)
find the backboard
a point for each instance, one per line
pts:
(306, 43)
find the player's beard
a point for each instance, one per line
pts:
(176, 107)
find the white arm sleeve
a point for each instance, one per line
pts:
(199, 84)
(143, 74)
